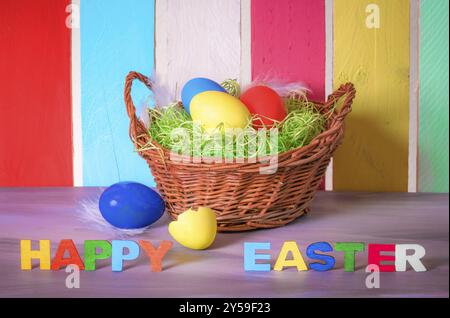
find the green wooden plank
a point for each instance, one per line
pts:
(434, 101)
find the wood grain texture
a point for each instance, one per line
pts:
(329, 75)
(413, 96)
(288, 42)
(246, 42)
(197, 38)
(389, 218)
(35, 111)
(374, 155)
(434, 100)
(77, 129)
(116, 38)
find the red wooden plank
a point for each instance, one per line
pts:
(35, 98)
(288, 42)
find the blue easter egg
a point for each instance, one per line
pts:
(195, 86)
(131, 205)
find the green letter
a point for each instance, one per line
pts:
(90, 255)
(349, 249)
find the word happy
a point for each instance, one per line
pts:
(396, 261)
(93, 250)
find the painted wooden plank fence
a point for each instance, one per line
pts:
(116, 37)
(288, 42)
(375, 57)
(66, 123)
(197, 38)
(434, 101)
(35, 106)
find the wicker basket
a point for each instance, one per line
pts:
(244, 198)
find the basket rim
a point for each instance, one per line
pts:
(329, 138)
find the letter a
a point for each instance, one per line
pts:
(373, 19)
(373, 279)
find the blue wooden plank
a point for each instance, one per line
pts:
(116, 37)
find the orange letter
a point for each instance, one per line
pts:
(156, 255)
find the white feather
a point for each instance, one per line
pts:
(161, 93)
(283, 88)
(144, 115)
(161, 97)
(89, 214)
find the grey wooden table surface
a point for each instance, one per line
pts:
(51, 213)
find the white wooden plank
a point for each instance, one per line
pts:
(77, 139)
(413, 96)
(246, 42)
(197, 38)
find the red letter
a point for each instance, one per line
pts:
(376, 258)
(74, 257)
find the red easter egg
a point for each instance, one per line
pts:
(264, 101)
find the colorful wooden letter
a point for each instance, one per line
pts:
(349, 249)
(327, 260)
(250, 257)
(297, 258)
(74, 257)
(117, 253)
(156, 255)
(414, 260)
(43, 254)
(376, 258)
(90, 252)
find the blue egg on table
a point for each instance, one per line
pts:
(131, 205)
(196, 86)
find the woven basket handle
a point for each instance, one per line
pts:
(135, 124)
(347, 90)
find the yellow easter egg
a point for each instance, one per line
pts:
(195, 229)
(212, 108)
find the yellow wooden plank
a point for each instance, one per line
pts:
(374, 155)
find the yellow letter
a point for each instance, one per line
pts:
(297, 258)
(43, 254)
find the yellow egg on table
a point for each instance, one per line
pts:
(213, 108)
(195, 229)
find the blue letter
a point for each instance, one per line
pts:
(328, 261)
(250, 257)
(117, 253)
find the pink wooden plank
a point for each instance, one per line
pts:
(288, 42)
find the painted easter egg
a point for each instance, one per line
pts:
(131, 205)
(264, 101)
(195, 229)
(213, 108)
(196, 86)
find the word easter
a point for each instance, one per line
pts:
(399, 256)
(115, 250)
